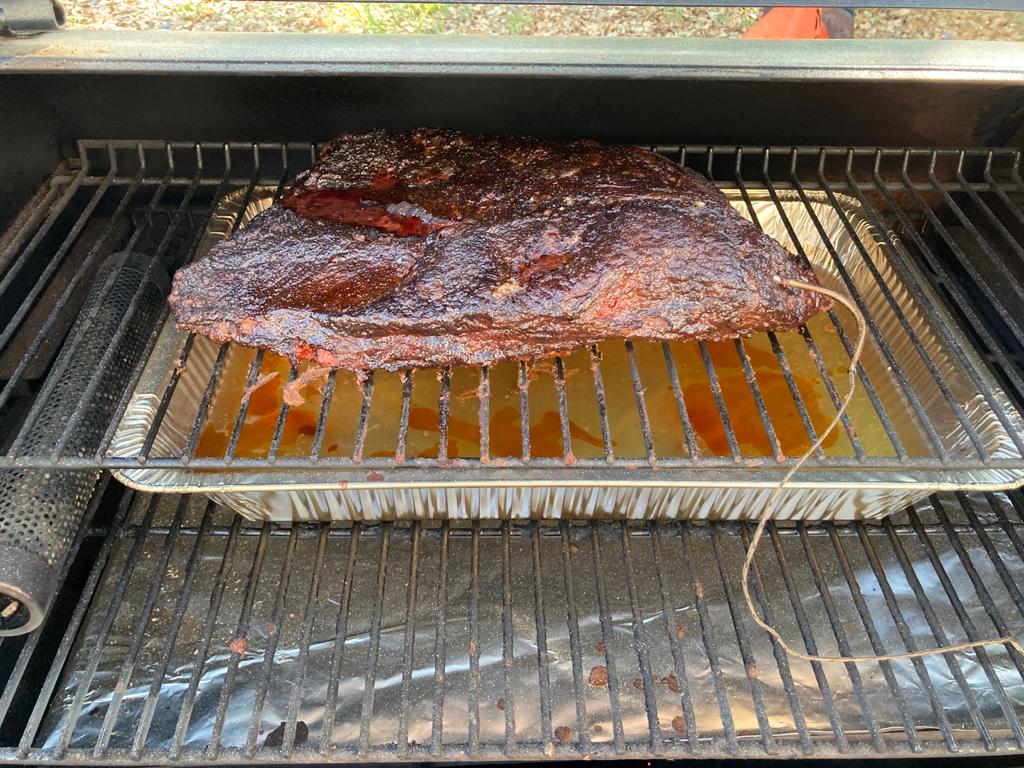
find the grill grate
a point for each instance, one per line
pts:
(198, 637)
(927, 196)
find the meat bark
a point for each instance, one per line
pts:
(434, 248)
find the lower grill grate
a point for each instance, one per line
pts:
(200, 638)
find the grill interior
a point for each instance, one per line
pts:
(140, 659)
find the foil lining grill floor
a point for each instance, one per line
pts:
(199, 637)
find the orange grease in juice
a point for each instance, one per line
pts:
(545, 432)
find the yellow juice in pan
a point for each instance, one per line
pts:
(709, 433)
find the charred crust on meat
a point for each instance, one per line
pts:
(432, 248)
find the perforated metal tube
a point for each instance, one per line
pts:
(40, 509)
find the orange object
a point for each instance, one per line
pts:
(789, 24)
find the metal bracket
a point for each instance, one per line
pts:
(30, 17)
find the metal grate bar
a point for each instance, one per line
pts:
(954, 344)
(325, 409)
(762, 410)
(410, 634)
(883, 345)
(249, 187)
(776, 348)
(710, 644)
(611, 681)
(967, 265)
(716, 391)
(1011, 280)
(677, 394)
(204, 404)
(12, 326)
(31, 644)
(364, 417)
(867, 619)
(815, 355)
(542, 632)
(1005, 524)
(202, 653)
(273, 634)
(87, 319)
(108, 621)
(915, 340)
(181, 604)
(573, 631)
(243, 410)
(39, 207)
(179, 368)
(965, 620)
(540, 622)
(12, 273)
(807, 634)
(640, 645)
(340, 632)
(524, 411)
(862, 374)
(285, 173)
(138, 635)
(67, 640)
(941, 640)
(282, 415)
(672, 633)
(165, 399)
(794, 391)
(563, 412)
(238, 647)
(993, 554)
(705, 462)
(508, 638)
(781, 659)
(443, 404)
(403, 421)
(990, 215)
(87, 398)
(908, 641)
(842, 642)
(980, 589)
(641, 405)
(964, 304)
(997, 188)
(440, 646)
(291, 727)
(484, 413)
(474, 646)
(743, 644)
(602, 404)
(370, 681)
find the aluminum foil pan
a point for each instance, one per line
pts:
(930, 414)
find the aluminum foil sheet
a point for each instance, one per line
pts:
(928, 414)
(540, 638)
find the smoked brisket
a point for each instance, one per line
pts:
(435, 248)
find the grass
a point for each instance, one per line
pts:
(508, 19)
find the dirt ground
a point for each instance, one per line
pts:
(445, 18)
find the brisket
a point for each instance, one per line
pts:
(434, 248)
